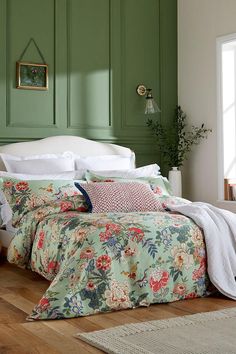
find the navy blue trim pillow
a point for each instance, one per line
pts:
(124, 197)
(86, 196)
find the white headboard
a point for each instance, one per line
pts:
(58, 144)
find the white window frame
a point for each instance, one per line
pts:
(220, 41)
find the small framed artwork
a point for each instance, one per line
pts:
(30, 76)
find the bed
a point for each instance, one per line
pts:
(100, 261)
(52, 145)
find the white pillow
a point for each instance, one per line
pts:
(39, 164)
(80, 174)
(105, 162)
(144, 171)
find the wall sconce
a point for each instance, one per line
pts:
(151, 105)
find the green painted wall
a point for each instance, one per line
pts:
(98, 51)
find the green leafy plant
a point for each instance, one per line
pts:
(176, 141)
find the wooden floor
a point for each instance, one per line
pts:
(21, 289)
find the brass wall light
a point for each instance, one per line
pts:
(151, 105)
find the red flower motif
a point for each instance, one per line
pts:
(44, 303)
(200, 271)
(41, 239)
(132, 275)
(7, 184)
(82, 209)
(157, 190)
(22, 186)
(156, 283)
(53, 267)
(103, 262)
(190, 296)
(104, 236)
(65, 206)
(136, 234)
(90, 286)
(113, 228)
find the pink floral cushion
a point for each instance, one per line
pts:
(119, 197)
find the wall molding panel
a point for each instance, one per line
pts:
(97, 52)
(140, 62)
(3, 64)
(88, 80)
(22, 103)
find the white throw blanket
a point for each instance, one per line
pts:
(219, 227)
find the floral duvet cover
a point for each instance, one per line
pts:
(103, 262)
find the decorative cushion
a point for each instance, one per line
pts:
(160, 185)
(22, 196)
(119, 197)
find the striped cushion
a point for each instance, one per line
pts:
(119, 197)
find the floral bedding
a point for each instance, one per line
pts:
(112, 261)
(102, 262)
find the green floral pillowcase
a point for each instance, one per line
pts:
(24, 196)
(160, 185)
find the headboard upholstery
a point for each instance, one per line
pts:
(58, 144)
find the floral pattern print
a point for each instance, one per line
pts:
(24, 196)
(110, 261)
(171, 200)
(117, 297)
(158, 279)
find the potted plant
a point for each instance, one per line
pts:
(176, 141)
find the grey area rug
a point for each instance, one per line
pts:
(203, 333)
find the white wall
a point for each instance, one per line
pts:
(200, 22)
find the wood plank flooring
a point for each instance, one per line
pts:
(21, 289)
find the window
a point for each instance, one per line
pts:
(226, 67)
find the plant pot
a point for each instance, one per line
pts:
(175, 180)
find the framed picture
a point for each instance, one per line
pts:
(30, 76)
